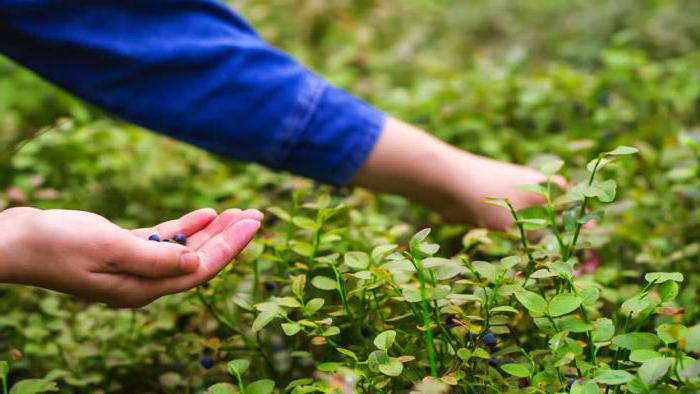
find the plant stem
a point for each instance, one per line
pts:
(427, 320)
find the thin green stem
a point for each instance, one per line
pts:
(427, 320)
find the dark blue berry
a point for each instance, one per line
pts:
(570, 383)
(180, 238)
(493, 362)
(269, 285)
(490, 339)
(154, 237)
(365, 331)
(207, 362)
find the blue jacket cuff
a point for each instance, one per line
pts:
(333, 139)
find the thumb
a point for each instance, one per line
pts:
(156, 259)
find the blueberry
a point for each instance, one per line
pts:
(207, 362)
(365, 331)
(269, 285)
(493, 362)
(154, 237)
(180, 238)
(570, 383)
(490, 339)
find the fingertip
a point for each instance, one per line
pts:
(254, 214)
(248, 225)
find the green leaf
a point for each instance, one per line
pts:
(692, 339)
(550, 168)
(4, 369)
(419, 237)
(327, 367)
(485, 270)
(348, 353)
(393, 367)
(323, 283)
(33, 386)
(642, 355)
(504, 308)
(305, 223)
(298, 285)
(532, 188)
(670, 332)
(668, 291)
(222, 388)
(661, 277)
(356, 260)
(263, 386)
(603, 330)
(563, 303)
(263, 319)
(291, 329)
(613, 377)
(532, 301)
(635, 305)
(517, 370)
(582, 387)
(654, 369)
(380, 251)
(238, 367)
(636, 340)
(280, 213)
(314, 305)
(384, 340)
(622, 150)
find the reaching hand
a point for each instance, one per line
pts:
(86, 255)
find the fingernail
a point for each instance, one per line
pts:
(251, 225)
(189, 262)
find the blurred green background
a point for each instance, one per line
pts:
(510, 79)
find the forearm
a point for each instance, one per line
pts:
(410, 162)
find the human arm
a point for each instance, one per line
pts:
(86, 255)
(454, 183)
(197, 72)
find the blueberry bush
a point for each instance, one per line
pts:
(348, 291)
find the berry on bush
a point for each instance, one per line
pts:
(154, 237)
(490, 339)
(493, 361)
(269, 285)
(180, 238)
(570, 383)
(207, 362)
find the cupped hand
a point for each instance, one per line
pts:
(86, 255)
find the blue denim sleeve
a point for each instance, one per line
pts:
(196, 71)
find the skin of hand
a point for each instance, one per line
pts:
(84, 254)
(410, 162)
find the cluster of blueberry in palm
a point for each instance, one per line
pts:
(178, 238)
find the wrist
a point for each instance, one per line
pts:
(13, 236)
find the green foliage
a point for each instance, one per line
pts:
(363, 300)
